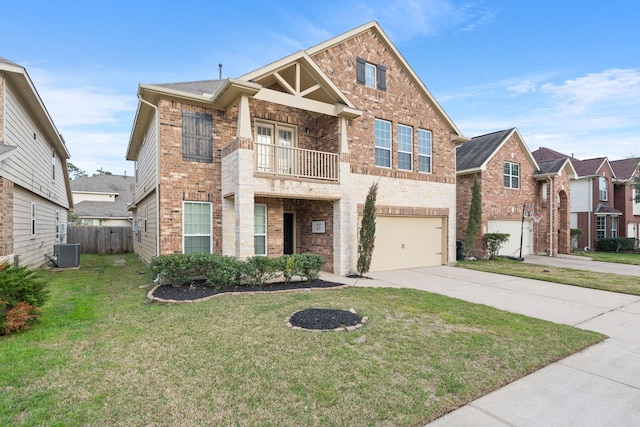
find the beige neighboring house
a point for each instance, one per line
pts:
(103, 200)
(280, 160)
(34, 185)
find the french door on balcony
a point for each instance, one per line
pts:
(274, 153)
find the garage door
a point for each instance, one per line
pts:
(512, 246)
(406, 242)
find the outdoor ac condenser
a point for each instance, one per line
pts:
(67, 254)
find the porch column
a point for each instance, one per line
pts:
(244, 118)
(244, 201)
(345, 228)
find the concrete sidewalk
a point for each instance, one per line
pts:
(599, 386)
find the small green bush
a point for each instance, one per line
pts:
(258, 269)
(617, 244)
(495, 242)
(176, 268)
(308, 266)
(287, 264)
(223, 271)
(22, 293)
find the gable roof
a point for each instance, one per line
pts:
(555, 167)
(120, 186)
(626, 169)
(544, 153)
(591, 167)
(473, 156)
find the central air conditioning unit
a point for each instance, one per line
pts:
(67, 254)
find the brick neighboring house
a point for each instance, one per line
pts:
(34, 184)
(280, 160)
(510, 177)
(103, 199)
(592, 197)
(627, 196)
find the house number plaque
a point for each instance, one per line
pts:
(317, 226)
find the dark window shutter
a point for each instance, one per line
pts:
(360, 70)
(382, 77)
(197, 130)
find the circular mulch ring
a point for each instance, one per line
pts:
(199, 291)
(325, 319)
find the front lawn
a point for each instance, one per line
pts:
(620, 258)
(105, 355)
(568, 276)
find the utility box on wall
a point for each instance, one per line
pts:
(67, 254)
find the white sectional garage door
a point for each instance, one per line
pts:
(406, 242)
(512, 246)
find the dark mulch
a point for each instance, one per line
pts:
(324, 318)
(200, 290)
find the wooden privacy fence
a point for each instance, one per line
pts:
(101, 240)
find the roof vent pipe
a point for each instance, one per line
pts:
(220, 73)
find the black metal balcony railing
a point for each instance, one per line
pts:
(297, 162)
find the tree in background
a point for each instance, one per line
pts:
(74, 171)
(102, 172)
(367, 231)
(475, 219)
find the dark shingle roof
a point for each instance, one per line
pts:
(606, 209)
(543, 153)
(196, 87)
(122, 186)
(478, 150)
(550, 166)
(589, 166)
(6, 61)
(625, 168)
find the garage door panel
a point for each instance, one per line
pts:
(513, 228)
(406, 242)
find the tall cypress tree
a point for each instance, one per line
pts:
(475, 219)
(367, 231)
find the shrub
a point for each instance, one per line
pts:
(308, 266)
(617, 244)
(176, 268)
(287, 264)
(494, 243)
(223, 271)
(258, 269)
(22, 294)
(576, 233)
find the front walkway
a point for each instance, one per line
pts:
(599, 386)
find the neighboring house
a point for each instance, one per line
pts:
(521, 197)
(592, 197)
(280, 160)
(34, 184)
(627, 195)
(103, 199)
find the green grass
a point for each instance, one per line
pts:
(568, 276)
(105, 355)
(620, 258)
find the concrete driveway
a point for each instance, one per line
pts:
(599, 386)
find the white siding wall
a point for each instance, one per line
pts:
(31, 164)
(31, 249)
(146, 248)
(581, 195)
(146, 172)
(93, 197)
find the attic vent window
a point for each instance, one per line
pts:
(371, 75)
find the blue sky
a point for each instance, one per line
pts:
(566, 73)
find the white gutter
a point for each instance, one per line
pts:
(157, 174)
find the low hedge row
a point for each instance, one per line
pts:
(22, 293)
(220, 271)
(617, 244)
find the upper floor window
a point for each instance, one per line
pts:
(371, 75)
(197, 139)
(603, 187)
(274, 147)
(637, 198)
(382, 136)
(424, 150)
(511, 175)
(405, 147)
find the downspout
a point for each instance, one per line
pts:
(551, 207)
(157, 177)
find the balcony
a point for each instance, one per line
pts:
(295, 162)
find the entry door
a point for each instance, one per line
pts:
(288, 233)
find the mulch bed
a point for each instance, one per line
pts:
(325, 319)
(199, 290)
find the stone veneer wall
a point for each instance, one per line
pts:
(6, 217)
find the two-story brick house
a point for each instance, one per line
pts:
(280, 160)
(592, 197)
(522, 197)
(627, 195)
(34, 184)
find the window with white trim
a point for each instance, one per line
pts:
(382, 137)
(273, 148)
(424, 150)
(613, 227)
(33, 219)
(601, 227)
(371, 75)
(196, 226)
(260, 229)
(603, 188)
(511, 175)
(405, 147)
(637, 197)
(197, 136)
